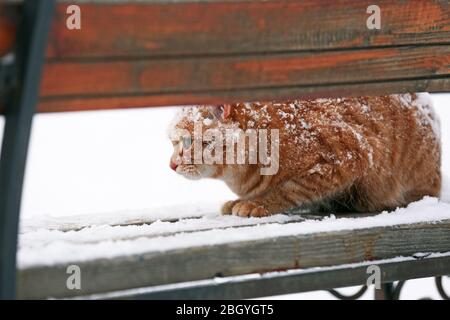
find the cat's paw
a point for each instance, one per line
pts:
(246, 208)
(227, 207)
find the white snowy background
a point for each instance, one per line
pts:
(101, 163)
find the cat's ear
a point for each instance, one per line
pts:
(222, 112)
(226, 111)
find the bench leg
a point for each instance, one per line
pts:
(20, 106)
(389, 291)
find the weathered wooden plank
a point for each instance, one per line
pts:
(184, 223)
(152, 28)
(246, 287)
(163, 28)
(186, 52)
(237, 258)
(61, 104)
(251, 71)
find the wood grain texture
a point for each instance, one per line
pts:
(156, 53)
(325, 278)
(255, 71)
(270, 254)
(61, 104)
(216, 27)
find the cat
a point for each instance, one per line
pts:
(362, 154)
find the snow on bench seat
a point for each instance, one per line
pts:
(125, 252)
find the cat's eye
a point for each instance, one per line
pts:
(186, 142)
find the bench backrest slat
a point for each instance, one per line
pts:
(138, 54)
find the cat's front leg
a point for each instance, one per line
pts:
(276, 200)
(263, 205)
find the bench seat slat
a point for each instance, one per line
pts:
(288, 282)
(179, 256)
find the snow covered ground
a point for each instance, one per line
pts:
(111, 167)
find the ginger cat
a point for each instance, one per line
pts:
(360, 154)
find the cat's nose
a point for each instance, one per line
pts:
(173, 166)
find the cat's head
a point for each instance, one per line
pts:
(191, 138)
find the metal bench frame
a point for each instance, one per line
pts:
(23, 80)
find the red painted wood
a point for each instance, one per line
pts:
(251, 71)
(137, 54)
(8, 26)
(148, 100)
(212, 27)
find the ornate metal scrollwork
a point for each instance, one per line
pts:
(354, 296)
(390, 291)
(437, 281)
(440, 288)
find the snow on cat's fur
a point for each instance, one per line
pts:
(360, 154)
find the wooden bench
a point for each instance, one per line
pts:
(131, 54)
(182, 254)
